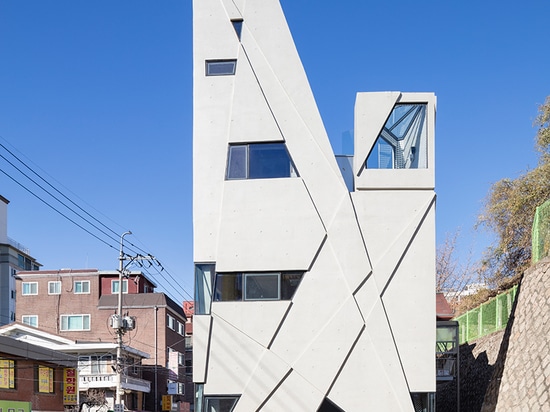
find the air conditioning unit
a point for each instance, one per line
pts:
(115, 321)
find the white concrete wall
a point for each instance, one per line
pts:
(360, 329)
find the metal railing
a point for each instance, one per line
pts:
(487, 318)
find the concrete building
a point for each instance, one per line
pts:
(314, 279)
(78, 304)
(13, 257)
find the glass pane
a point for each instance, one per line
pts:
(221, 67)
(228, 287)
(236, 164)
(262, 286)
(238, 26)
(403, 142)
(220, 404)
(289, 284)
(269, 160)
(203, 288)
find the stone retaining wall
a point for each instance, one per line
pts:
(508, 370)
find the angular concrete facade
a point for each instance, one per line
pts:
(310, 294)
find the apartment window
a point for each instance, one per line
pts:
(82, 286)
(403, 142)
(171, 322)
(259, 161)
(44, 379)
(181, 388)
(54, 287)
(13, 294)
(188, 366)
(181, 329)
(115, 283)
(257, 286)
(75, 322)
(30, 288)
(21, 261)
(181, 359)
(7, 371)
(31, 320)
(221, 67)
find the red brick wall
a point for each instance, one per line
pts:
(26, 388)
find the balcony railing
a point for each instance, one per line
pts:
(110, 381)
(19, 246)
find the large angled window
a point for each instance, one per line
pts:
(220, 403)
(403, 142)
(259, 161)
(256, 286)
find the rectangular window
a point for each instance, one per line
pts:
(30, 288)
(75, 322)
(7, 374)
(171, 322)
(31, 320)
(259, 161)
(54, 288)
(204, 280)
(114, 286)
(228, 287)
(261, 286)
(257, 286)
(181, 329)
(221, 67)
(181, 359)
(21, 261)
(45, 379)
(82, 286)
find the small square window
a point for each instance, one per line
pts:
(30, 288)
(261, 286)
(81, 286)
(114, 286)
(54, 288)
(221, 67)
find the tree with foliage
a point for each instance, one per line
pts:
(510, 207)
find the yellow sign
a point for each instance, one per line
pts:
(45, 379)
(7, 374)
(70, 386)
(166, 402)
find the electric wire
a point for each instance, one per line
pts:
(139, 253)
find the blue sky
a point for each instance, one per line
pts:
(96, 96)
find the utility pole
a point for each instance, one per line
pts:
(118, 321)
(120, 324)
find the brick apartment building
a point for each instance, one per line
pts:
(78, 304)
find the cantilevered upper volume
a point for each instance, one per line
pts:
(307, 296)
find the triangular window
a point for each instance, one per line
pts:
(238, 26)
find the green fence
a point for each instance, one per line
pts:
(487, 318)
(541, 233)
